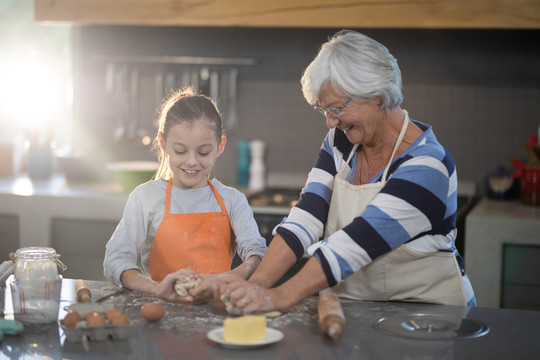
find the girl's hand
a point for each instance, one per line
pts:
(247, 297)
(166, 289)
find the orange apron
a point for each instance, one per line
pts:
(198, 241)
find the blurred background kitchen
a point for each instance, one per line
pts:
(81, 87)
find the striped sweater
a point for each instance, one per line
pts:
(416, 207)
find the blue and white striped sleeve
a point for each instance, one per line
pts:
(305, 224)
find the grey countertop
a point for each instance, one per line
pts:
(182, 333)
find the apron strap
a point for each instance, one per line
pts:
(218, 198)
(398, 142)
(168, 197)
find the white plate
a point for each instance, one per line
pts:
(272, 336)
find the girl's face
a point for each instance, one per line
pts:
(192, 150)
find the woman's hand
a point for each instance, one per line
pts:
(206, 289)
(247, 297)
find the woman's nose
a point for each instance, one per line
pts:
(331, 120)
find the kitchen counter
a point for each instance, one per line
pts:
(181, 334)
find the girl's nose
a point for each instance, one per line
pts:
(192, 159)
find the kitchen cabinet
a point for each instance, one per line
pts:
(521, 283)
(77, 219)
(82, 245)
(9, 234)
(501, 237)
(488, 14)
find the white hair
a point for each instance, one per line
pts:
(354, 65)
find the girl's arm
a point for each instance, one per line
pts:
(247, 268)
(134, 280)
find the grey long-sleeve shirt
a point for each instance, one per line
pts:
(130, 243)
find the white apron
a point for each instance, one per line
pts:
(401, 274)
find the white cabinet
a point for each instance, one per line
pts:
(76, 220)
(490, 227)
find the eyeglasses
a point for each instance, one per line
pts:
(333, 111)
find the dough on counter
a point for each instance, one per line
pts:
(183, 287)
(233, 310)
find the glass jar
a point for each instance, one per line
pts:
(36, 285)
(40, 262)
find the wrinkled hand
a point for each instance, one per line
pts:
(166, 288)
(206, 289)
(247, 297)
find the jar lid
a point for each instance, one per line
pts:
(36, 253)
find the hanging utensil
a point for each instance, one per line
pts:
(170, 82)
(204, 81)
(158, 89)
(186, 79)
(214, 87)
(232, 117)
(195, 81)
(121, 102)
(109, 78)
(158, 93)
(133, 105)
(224, 94)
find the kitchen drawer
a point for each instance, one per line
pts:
(81, 244)
(520, 297)
(521, 264)
(9, 235)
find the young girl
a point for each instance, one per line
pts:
(183, 226)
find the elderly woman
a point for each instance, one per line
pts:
(382, 196)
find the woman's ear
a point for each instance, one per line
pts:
(221, 146)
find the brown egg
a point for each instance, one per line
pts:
(152, 312)
(120, 319)
(71, 319)
(95, 319)
(111, 313)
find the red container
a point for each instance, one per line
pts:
(530, 185)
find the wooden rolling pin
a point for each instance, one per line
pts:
(331, 317)
(83, 291)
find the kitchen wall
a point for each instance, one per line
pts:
(479, 89)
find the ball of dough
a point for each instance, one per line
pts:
(183, 287)
(231, 309)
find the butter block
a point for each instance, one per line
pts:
(244, 329)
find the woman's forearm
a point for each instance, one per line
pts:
(308, 281)
(276, 262)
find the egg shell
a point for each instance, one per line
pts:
(71, 319)
(119, 319)
(95, 319)
(152, 312)
(111, 313)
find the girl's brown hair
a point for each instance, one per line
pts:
(184, 105)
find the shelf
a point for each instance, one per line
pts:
(183, 60)
(452, 14)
